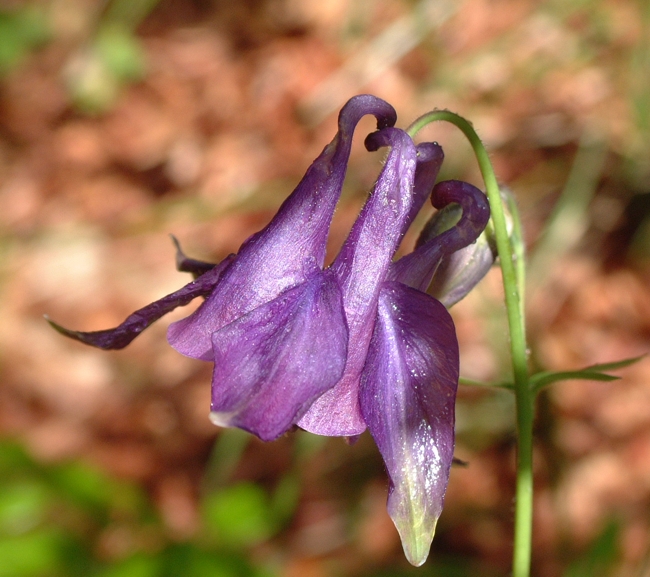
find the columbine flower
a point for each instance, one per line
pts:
(336, 350)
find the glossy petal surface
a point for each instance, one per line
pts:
(361, 267)
(461, 271)
(271, 363)
(429, 161)
(277, 257)
(408, 390)
(417, 268)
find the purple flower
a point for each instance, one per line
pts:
(359, 344)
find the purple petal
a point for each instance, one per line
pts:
(417, 268)
(276, 258)
(273, 362)
(122, 335)
(459, 272)
(408, 390)
(361, 267)
(430, 157)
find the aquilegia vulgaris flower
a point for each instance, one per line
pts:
(358, 344)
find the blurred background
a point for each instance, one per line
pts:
(125, 120)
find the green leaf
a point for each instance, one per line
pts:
(616, 364)
(541, 380)
(84, 485)
(545, 378)
(590, 373)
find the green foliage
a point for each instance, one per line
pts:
(239, 515)
(136, 566)
(23, 506)
(591, 373)
(94, 492)
(21, 31)
(192, 561)
(129, 13)
(38, 553)
(52, 516)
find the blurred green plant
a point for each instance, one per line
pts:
(21, 31)
(239, 515)
(97, 73)
(52, 518)
(112, 58)
(600, 557)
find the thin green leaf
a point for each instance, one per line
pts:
(541, 380)
(615, 365)
(591, 373)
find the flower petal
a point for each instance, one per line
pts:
(273, 362)
(459, 272)
(361, 267)
(429, 161)
(417, 268)
(135, 323)
(273, 259)
(408, 390)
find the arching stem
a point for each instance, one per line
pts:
(510, 249)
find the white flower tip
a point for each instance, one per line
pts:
(416, 533)
(221, 419)
(417, 545)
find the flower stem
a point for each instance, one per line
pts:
(512, 269)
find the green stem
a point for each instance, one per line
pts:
(511, 260)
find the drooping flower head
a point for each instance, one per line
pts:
(335, 350)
